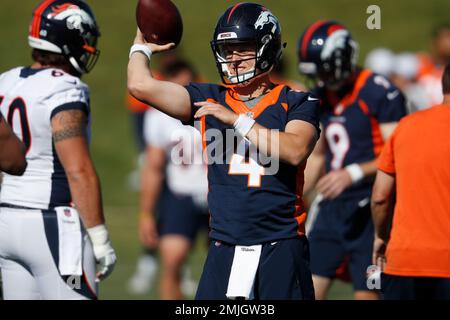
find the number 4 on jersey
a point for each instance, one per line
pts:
(239, 165)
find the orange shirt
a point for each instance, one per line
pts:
(418, 153)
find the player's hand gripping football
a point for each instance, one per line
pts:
(139, 39)
(216, 110)
(103, 251)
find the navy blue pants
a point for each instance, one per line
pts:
(414, 288)
(180, 215)
(343, 230)
(283, 271)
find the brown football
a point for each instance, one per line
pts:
(159, 21)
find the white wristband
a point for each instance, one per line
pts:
(243, 125)
(355, 172)
(142, 49)
(98, 234)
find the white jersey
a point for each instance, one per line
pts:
(29, 98)
(186, 171)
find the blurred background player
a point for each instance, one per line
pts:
(359, 110)
(404, 75)
(412, 244)
(173, 196)
(146, 268)
(257, 220)
(432, 64)
(402, 70)
(279, 75)
(12, 150)
(380, 61)
(137, 111)
(45, 250)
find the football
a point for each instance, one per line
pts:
(159, 21)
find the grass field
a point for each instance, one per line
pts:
(406, 25)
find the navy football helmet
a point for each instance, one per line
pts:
(66, 27)
(247, 25)
(327, 52)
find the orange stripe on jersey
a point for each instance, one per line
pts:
(37, 18)
(351, 98)
(300, 212)
(203, 134)
(239, 106)
(285, 106)
(377, 137)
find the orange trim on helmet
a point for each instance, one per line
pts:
(309, 32)
(37, 16)
(89, 48)
(232, 10)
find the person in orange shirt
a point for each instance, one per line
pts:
(412, 246)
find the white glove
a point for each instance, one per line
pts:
(103, 251)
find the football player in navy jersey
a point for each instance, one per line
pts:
(359, 110)
(259, 249)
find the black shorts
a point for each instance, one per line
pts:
(343, 230)
(414, 288)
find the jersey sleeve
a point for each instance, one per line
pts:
(304, 106)
(390, 103)
(68, 94)
(196, 94)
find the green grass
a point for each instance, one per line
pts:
(406, 25)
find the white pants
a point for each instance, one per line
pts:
(29, 259)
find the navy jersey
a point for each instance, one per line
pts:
(352, 124)
(247, 205)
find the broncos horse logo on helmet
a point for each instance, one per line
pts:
(264, 18)
(327, 51)
(66, 27)
(247, 25)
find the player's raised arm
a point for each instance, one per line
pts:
(12, 151)
(168, 97)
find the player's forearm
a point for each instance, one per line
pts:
(86, 195)
(369, 168)
(151, 185)
(12, 158)
(380, 215)
(165, 96)
(286, 147)
(382, 205)
(315, 168)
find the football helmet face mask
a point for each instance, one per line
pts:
(328, 54)
(246, 43)
(66, 27)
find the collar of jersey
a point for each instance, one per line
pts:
(240, 107)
